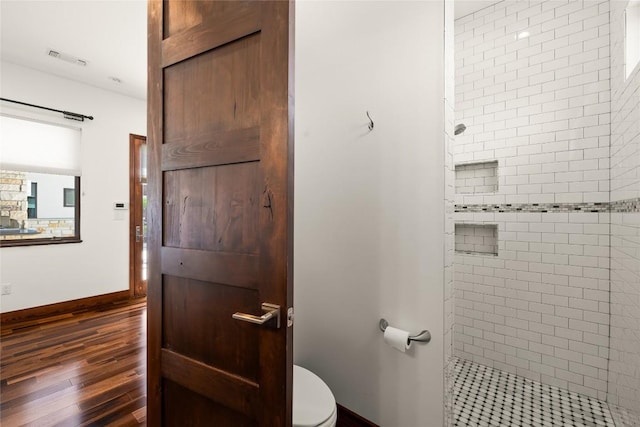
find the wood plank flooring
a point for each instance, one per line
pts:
(78, 369)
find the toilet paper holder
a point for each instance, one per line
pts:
(424, 336)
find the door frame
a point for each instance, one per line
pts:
(134, 198)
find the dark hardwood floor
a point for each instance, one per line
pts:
(78, 369)
(83, 369)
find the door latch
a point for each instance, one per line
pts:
(290, 317)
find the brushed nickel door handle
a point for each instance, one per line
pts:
(271, 311)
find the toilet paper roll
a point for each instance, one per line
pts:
(397, 338)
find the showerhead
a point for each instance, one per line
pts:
(459, 129)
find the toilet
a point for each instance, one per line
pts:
(313, 402)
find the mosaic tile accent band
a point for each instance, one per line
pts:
(625, 206)
(621, 206)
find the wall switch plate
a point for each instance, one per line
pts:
(6, 289)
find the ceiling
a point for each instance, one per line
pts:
(109, 34)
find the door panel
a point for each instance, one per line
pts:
(197, 410)
(219, 340)
(229, 205)
(216, 91)
(220, 177)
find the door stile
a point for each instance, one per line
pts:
(277, 213)
(154, 206)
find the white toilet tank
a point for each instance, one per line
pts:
(313, 402)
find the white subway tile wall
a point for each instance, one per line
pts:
(474, 178)
(624, 365)
(540, 308)
(476, 238)
(449, 175)
(539, 105)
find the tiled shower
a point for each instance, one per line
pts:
(547, 197)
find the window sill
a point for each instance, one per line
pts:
(37, 242)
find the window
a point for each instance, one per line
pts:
(69, 197)
(632, 37)
(40, 177)
(32, 201)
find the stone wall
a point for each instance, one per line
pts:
(53, 227)
(13, 195)
(47, 228)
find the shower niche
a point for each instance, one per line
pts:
(476, 178)
(481, 239)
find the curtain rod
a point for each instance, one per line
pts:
(66, 114)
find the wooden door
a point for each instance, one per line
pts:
(220, 213)
(138, 239)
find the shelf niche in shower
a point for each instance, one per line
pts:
(479, 239)
(474, 178)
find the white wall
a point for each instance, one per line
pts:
(100, 264)
(369, 206)
(50, 194)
